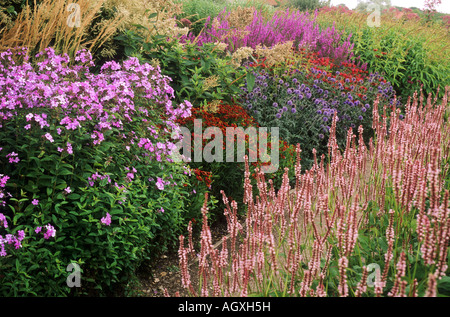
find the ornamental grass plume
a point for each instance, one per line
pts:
(156, 17)
(317, 237)
(49, 23)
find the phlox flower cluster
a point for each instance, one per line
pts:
(55, 101)
(50, 231)
(106, 220)
(3, 181)
(11, 239)
(97, 177)
(106, 99)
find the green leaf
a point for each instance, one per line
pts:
(250, 81)
(444, 285)
(153, 15)
(65, 171)
(74, 196)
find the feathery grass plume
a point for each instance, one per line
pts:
(47, 25)
(210, 82)
(155, 17)
(277, 54)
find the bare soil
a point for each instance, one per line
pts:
(164, 273)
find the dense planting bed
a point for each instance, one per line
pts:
(317, 144)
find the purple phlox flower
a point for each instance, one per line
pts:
(106, 220)
(3, 221)
(13, 157)
(49, 137)
(160, 183)
(51, 232)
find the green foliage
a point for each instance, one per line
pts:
(407, 52)
(405, 61)
(200, 75)
(109, 256)
(307, 5)
(228, 175)
(197, 11)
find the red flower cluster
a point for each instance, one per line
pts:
(203, 176)
(225, 116)
(230, 116)
(446, 20)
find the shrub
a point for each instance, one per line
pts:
(88, 156)
(197, 11)
(200, 75)
(307, 5)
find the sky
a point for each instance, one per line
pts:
(444, 7)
